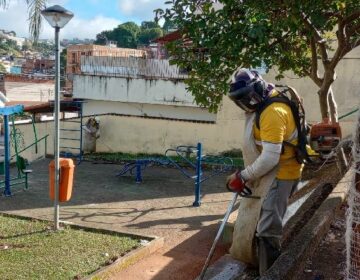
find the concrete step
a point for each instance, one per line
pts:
(225, 268)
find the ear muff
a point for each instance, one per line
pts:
(259, 87)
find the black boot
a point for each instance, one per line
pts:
(268, 252)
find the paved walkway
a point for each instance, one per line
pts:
(160, 206)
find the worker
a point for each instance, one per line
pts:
(272, 169)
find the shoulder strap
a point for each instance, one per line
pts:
(280, 99)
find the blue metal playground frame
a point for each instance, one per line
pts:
(6, 112)
(222, 164)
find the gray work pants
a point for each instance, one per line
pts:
(269, 228)
(273, 209)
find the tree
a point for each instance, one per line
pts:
(149, 25)
(148, 35)
(2, 68)
(46, 49)
(102, 37)
(294, 35)
(168, 26)
(124, 34)
(34, 7)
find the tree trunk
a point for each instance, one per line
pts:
(328, 109)
(332, 105)
(324, 103)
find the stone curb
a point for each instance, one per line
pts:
(127, 260)
(293, 259)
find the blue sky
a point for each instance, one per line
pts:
(91, 16)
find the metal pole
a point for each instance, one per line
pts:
(7, 191)
(56, 123)
(218, 235)
(197, 201)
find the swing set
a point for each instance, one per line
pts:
(14, 137)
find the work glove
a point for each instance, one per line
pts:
(236, 183)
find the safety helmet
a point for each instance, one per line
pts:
(247, 89)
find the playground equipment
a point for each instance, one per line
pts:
(14, 136)
(182, 158)
(22, 174)
(72, 146)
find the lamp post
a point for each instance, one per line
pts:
(57, 17)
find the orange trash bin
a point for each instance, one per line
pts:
(66, 179)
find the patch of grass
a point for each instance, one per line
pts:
(119, 157)
(30, 249)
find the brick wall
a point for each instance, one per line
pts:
(26, 79)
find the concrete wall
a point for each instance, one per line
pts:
(138, 97)
(132, 90)
(136, 134)
(92, 107)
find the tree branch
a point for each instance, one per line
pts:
(314, 74)
(318, 38)
(342, 44)
(352, 17)
(352, 30)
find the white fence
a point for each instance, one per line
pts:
(131, 67)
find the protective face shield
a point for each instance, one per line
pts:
(247, 89)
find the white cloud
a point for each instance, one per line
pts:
(141, 9)
(16, 15)
(82, 28)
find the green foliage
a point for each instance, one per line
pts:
(2, 68)
(63, 59)
(130, 35)
(124, 35)
(148, 35)
(168, 26)
(9, 47)
(256, 33)
(46, 49)
(149, 25)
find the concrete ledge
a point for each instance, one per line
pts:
(127, 260)
(305, 212)
(293, 259)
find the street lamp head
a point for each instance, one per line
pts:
(57, 16)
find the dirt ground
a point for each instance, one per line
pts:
(161, 206)
(329, 260)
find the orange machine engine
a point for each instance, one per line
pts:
(325, 136)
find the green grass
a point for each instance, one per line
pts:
(30, 249)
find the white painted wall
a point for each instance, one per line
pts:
(148, 91)
(138, 97)
(95, 107)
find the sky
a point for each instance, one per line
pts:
(90, 16)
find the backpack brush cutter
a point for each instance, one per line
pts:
(325, 136)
